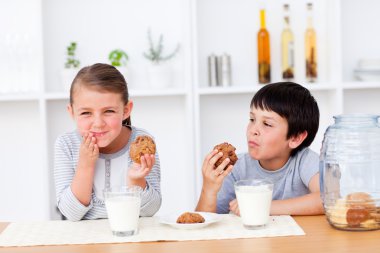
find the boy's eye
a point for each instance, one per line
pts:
(267, 124)
(84, 113)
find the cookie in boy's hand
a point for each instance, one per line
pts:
(142, 145)
(190, 218)
(228, 152)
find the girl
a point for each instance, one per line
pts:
(96, 155)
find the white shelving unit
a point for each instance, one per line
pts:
(189, 118)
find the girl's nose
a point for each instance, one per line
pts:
(98, 121)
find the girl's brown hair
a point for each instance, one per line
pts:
(103, 77)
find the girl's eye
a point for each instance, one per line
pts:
(252, 120)
(110, 111)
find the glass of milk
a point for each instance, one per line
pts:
(254, 198)
(123, 209)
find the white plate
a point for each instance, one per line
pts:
(171, 220)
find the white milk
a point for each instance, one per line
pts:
(254, 204)
(123, 213)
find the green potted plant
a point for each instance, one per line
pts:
(118, 58)
(71, 66)
(159, 73)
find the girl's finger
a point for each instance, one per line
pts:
(143, 162)
(148, 160)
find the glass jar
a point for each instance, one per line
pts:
(350, 172)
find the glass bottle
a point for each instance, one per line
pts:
(310, 47)
(287, 47)
(263, 51)
(350, 172)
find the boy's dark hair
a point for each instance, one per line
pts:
(294, 103)
(103, 77)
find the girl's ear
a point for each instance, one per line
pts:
(70, 111)
(128, 109)
(295, 141)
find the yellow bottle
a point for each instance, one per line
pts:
(263, 51)
(287, 48)
(310, 48)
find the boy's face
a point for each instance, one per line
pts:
(266, 137)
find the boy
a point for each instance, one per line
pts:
(284, 119)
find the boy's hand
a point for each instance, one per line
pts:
(88, 152)
(213, 176)
(137, 172)
(234, 207)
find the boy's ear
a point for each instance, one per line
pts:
(70, 111)
(128, 109)
(295, 141)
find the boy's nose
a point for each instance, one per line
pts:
(254, 130)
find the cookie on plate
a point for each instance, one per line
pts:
(187, 218)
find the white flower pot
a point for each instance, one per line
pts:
(160, 76)
(67, 77)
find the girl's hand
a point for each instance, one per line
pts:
(137, 172)
(213, 176)
(234, 207)
(88, 152)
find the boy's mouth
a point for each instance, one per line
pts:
(253, 144)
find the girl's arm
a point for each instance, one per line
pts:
(84, 175)
(69, 201)
(151, 195)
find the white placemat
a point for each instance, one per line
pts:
(98, 231)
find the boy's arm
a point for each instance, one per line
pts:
(309, 204)
(212, 181)
(207, 202)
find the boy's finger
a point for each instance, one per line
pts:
(227, 171)
(209, 156)
(215, 158)
(222, 167)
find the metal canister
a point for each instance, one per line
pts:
(212, 70)
(224, 70)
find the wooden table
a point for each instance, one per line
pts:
(320, 237)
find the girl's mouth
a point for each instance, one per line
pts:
(98, 134)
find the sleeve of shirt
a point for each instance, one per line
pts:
(309, 166)
(227, 192)
(64, 172)
(151, 195)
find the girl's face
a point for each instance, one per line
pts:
(266, 136)
(99, 113)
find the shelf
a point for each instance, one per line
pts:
(255, 88)
(19, 97)
(157, 93)
(359, 85)
(132, 93)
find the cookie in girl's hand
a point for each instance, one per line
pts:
(142, 145)
(228, 152)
